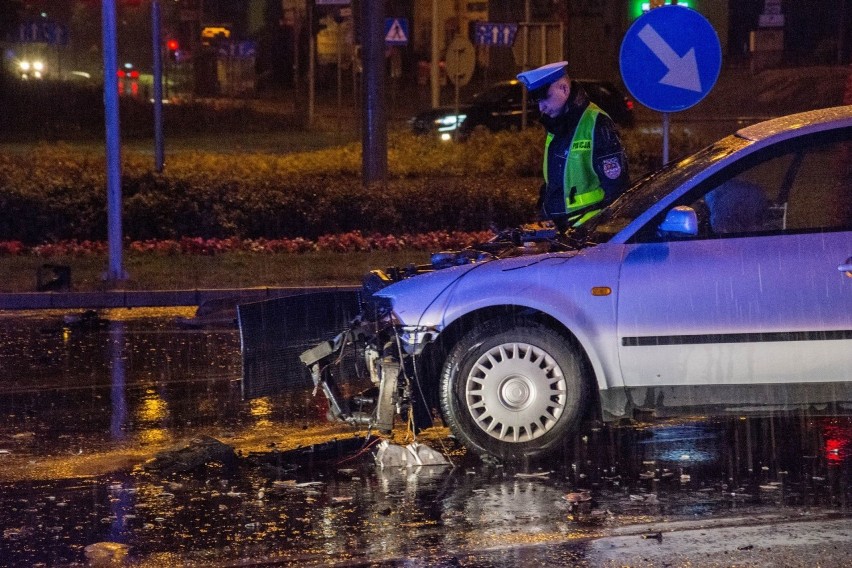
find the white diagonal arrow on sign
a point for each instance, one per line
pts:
(683, 71)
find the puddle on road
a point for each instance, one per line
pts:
(82, 409)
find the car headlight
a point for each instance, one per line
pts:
(450, 122)
(379, 310)
(414, 338)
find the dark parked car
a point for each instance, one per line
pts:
(500, 108)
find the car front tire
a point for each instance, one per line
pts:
(513, 389)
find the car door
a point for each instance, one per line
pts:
(763, 294)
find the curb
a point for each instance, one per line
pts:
(148, 298)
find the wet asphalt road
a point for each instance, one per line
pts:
(85, 406)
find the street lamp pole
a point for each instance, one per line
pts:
(115, 271)
(374, 138)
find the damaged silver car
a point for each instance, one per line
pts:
(722, 282)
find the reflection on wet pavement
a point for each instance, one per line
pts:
(84, 409)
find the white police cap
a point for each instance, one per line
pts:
(543, 76)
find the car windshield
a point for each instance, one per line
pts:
(650, 189)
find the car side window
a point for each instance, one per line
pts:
(802, 185)
(737, 206)
(820, 194)
(808, 195)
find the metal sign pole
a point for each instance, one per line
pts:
(311, 62)
(436, 56)
(525, 61)
(339, 79)
(457, 81)
(158, 86)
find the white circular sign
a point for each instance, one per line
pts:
(460, 61)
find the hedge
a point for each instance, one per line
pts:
(57, 192)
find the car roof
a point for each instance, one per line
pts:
(509, 82)
(797, 124)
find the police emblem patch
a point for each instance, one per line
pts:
(612, 167)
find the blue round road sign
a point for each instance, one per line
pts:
(670, 58)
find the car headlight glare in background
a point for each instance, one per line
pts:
(450, 122)
(34, 67)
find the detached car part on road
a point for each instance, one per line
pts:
(721, 282)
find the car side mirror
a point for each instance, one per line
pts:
(682, 221)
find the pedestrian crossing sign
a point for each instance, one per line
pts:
(396, 31)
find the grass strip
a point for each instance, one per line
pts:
(224, 270)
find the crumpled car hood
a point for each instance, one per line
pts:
(414, 296)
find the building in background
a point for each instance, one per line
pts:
(223, 45)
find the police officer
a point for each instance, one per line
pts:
(585, 166)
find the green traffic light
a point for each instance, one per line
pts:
(639, 7)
